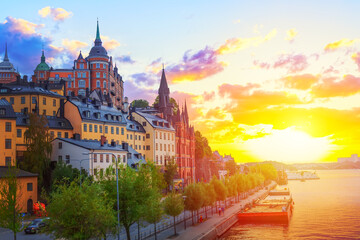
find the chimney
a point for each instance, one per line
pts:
(62, 110)
(76, 136)
(126, 104)
(102, 140)
(125, 146)
(113, 144)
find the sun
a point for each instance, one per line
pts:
(289, 146)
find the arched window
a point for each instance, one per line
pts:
(104, 84)
(82, 92)
(81, 83)
(98, 83)
(105, 92)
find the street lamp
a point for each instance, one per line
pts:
(184, 197)
(117, 186)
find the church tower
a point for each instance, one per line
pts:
(165, 107)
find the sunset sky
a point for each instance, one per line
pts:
(263, 80)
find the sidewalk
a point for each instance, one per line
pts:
(197, 231)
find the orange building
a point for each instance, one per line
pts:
(27, 187)
(8, 134)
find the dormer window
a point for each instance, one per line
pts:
(155, 123)
(86, 113)
(161, 124)
(2, 111)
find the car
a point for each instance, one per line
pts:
(36, 225)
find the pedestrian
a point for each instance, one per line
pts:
(219, 211)
(223, 210)
(201, 219)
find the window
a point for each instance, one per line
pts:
(29, 187)
(41, 75)
(165, 136)
(104, 84)
(95, 157)
(148, 147)
(7, 143)
(59, 158)
(33, 100)
(60, 145)
(104, 65)
(54, 113)
(157, 159)
(8, 127)
(160, 135)
(67, 159)
(117, 130)
(143, 147)
(130, 137)
(85, 127)
(106, 129)
(81, 66)
(59, 135)
(107, 158)
(79, 75)
(148, 135)
(97, 74)
(66, 135)
(101, 158)
(84, 75)
(22, 100)
(81, 83)
(52, 134)
(100, 129)
(135, 146)
(169, 136)
(18, 133)
(143, 138)
(112, 130)
(82, 92)
(122, 131)
(144, 124)
(160, 147)
(11, 100)
(90, 127)
(98, 83)
(44, 112)
(104, 75)
(54, 102)
(161, 160)
(96, 128)
(98, 65)
(156, 147)
(44, 101)
(95, 171)
(135, 137)
(7, 161)
(69, 84)
(56, 76)
(69, 76)
(156, 135)
(164, 147)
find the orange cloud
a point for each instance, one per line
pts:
(57, 14)
(292, 62)
(348, 86)
(291, 34)
(236, 44)
(73, 46)
(301, 82)
(109, 44)
(22, 26)
(339, 44)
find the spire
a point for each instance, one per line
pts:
(80, 56)
(163, 83)
(43, 56)
(6, 59)
(97, 39)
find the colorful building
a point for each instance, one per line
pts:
(8, 134)
(96, 71)
(7, 71)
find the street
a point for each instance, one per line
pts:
(6, 234)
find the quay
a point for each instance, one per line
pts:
(216, 226)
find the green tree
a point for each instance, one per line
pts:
(231, 167)
(172, 100)
(80, 213)
(37, 155)
(153, 210)
(140, 103)
(209, 196)
(219, 188)
(194, 198)
(170, 171)
(173, 206)
(9, 202)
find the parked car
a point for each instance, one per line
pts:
(36, 225)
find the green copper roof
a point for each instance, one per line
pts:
(42, 65)
(98, 31)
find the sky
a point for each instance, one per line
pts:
(263, 80)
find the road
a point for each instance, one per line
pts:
(6, 234)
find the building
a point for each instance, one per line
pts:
(94, 156)
(7, 71)
(27, 187)
(94, 72)
(8, 134)
(353, 159)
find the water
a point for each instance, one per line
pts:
(328, 208)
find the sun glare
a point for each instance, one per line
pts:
(289, 146)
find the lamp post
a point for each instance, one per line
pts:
(184, 197)
(117, 187)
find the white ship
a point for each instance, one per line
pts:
(302, 175)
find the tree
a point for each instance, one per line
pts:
(209, 196)
(170, 171)
(231, 167)
(173, 206)
(219, 188)
(194, 198)
(80, 213)
(37, 155)
(140, 103)
(9, 202)
(153, 210)
(172, 100)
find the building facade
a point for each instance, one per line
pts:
(7, 71)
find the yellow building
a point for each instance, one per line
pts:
(92, 119)
(7, 133)
(160, 137)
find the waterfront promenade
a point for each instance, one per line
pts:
(200, 230)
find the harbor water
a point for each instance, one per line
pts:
(328, 208)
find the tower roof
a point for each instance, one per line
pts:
(6, 65)
(98, 49)
(6, 59)
(42, 66)
(80, 56)
(163, 84)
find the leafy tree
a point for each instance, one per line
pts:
(194, 194)
(170, 171)
(172, 100)
(231, 167)
(37, 156)
(173, 206)
(153, 210)
(140, 103)
(9, 202)
(80, 213)
(209, 196)
(219, 188)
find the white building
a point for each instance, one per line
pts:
(94, 156)
(354, 158)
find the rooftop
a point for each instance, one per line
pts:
(4, 171)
